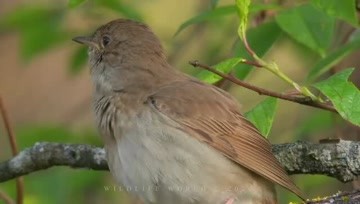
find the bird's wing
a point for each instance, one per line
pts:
(212, 116)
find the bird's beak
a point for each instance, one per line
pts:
(86, 40)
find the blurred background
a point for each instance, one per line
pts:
(45, 84)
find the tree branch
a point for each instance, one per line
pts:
(339, 158)
(44, 155)
(336, 158)
(339, 198)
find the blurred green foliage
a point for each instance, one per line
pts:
(308, 26)
(317, 122)
(333, 58)
(208, 15)
(40, 29)
(32, 133)
(313, 24)
(78, 60)
(345, 10)
(75, 3)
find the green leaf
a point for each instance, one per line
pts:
(224, 67)
(262, 115)
(243, 12)
(345, 10)
(207, 15)
(308, 26)
(344, 95)
(75, 3)
(78, 60)
(260, 38)
(333, 58)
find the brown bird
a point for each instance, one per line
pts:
(169, 137)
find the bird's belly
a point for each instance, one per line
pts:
(165, 165)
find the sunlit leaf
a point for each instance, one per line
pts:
(224, 67)
(243, 12)
(262, 115)
(345, 10)
(344, 95)
(309, 26)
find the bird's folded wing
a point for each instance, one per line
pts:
(212, 116)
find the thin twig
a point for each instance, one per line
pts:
(248, 48)
(6, 198)
(8, 128)
(297, 99)
(14, 149)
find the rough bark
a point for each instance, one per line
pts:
(336, 158)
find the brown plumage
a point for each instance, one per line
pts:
(163, 129)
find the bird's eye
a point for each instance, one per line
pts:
(106, 40)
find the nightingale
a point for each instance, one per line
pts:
(170, 138)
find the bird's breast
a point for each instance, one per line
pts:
(153, 158)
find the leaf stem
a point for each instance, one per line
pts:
(14, 149)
